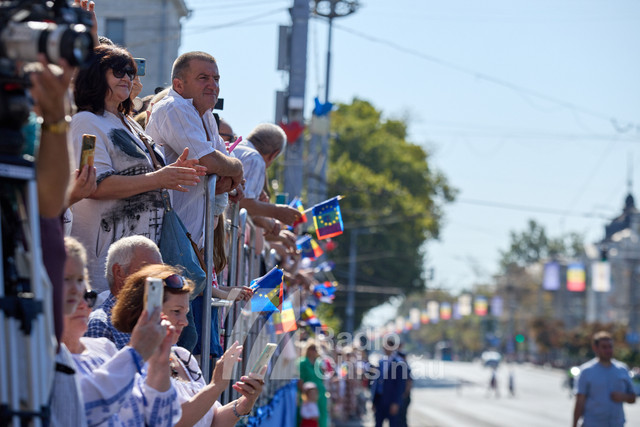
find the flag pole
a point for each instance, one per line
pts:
(339, 197)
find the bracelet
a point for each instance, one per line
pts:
(60, 127)
(235, 410)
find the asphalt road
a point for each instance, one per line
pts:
(457, 394)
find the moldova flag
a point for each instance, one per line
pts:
(327, 219)
(296, 203)
(309, 248)
(267, 291)
(288, 317)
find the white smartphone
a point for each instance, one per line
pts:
(153, 290)
(264, 358)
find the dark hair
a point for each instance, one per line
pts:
(90, 85)
(130, 302)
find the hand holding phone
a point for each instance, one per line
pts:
(141, 64)
(263, 360)
(153, 290)
(88, 150)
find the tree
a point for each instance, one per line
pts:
(533, 245)
(391, 191)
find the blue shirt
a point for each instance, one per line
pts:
(100, 324)
(596, 382)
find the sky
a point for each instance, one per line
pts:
(531, 109)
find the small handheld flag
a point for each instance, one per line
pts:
(267, 291)
(328, 219)
(296, 203)
(309, 248)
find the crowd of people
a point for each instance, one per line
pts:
(101, 225)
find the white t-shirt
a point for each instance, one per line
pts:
(186, 390)
(175, 124)
(254, 169)
(99, 223)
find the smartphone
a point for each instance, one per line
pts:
(88, 150)
(264, 358)
(141, 63)
(153, 290)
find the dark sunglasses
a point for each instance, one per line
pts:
(232, 138)
(90, 298)
(175, 281)
(119, 73)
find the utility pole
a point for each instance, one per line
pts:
(319, 144)
(290, 105)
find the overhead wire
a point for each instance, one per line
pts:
(493, 79)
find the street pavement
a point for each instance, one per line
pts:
(452, 394)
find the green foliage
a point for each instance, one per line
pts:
(533, 245)
(392, 190)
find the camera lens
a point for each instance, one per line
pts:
(24, 41)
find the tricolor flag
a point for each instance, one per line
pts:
(310, 318)
(296, 203)
(288, 317)
(267, 291)
(424, 317)
(576, 277)
(309, 248)
(327, 218)
(445, 311)
(480, 306)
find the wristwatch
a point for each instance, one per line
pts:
(59, 127)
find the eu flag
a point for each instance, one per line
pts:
(267, 291)
(327, 219)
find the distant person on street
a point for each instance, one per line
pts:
(390, 386)
(406, 396)
(309, 411)
(512, 383)
(603, 385)
(310, 369)
(493, 383)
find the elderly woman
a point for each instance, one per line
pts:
(130, 171)
(199, 399)
(117, 387)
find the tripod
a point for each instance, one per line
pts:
(26, 321)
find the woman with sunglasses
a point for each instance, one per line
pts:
(112, 387)
(199, 399)
(130, 170)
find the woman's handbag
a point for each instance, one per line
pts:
(177, 248)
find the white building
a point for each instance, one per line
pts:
(149, 29)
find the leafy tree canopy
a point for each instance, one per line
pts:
(393, 196)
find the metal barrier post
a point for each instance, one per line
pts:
(209, 222)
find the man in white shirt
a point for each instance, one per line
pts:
(184, 118)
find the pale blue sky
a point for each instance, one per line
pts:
(467, 75)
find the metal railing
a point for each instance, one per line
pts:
(250, 329)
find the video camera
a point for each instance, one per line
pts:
(27, 28)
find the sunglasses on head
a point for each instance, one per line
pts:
(119, 73)
(90, 298)
(175, 281)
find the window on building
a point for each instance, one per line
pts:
(115, 30)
